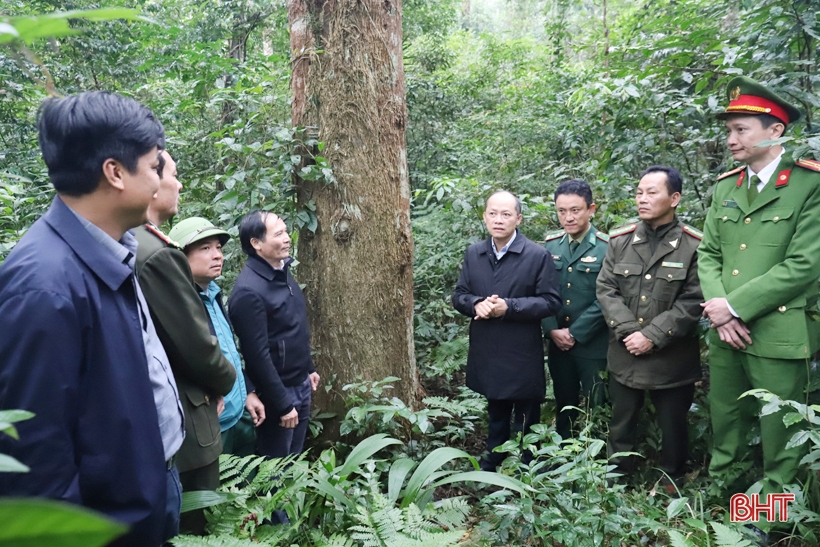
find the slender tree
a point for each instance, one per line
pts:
(348, 82)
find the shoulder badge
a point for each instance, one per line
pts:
(783, 178)
(167, 240)
(554, 235)
(628, 229)
(694, 232)
(602, 236)
(810, 164)
(732, 172)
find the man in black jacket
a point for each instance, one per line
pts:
(507, 285)
(269, 314)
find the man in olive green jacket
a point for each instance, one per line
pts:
(650, 297)
(202, 372)
(759, 265)
(577, 334)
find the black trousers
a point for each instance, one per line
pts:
(671, 406)
(201, 478)
(524, 413)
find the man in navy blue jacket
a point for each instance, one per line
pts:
(269, 315)
(76, 330)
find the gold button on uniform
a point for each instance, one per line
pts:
(781, 309)
(735, 272)
(725, 218)
(748, 220)
(587, 270)
(776, 219)
(569, 269)
(669, 276)
(568, 302)
(742, 246)
(566, 318)
(669, 333)
(206, 398)
(643, 298)
(648, 276)
(626, 272)
(640, 320)
(569, 285)
(612, 322)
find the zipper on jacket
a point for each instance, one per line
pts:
(282, 352)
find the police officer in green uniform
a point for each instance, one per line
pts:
(759, 265)
(650, 296)
(578, 336)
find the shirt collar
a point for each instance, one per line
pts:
(505, 248)
(766, 173)
(123, 250)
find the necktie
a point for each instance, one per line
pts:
(752, 191)
(572, 246)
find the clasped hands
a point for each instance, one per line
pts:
(731, 329)
(490, 307)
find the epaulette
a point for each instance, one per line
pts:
(807, 163)
(554, 235)
(628, 229)
(167, 240)
(732, 172)
(602, 236)
(694, 232)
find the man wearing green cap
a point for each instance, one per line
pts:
(759, 263)
(203, 374)
(202, 243)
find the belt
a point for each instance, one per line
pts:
(170, 463)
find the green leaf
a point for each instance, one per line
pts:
(678, 539)
(695, 523)
(675, 507)
(365, 450)
(199, 499)
(486, 477)
(39, 522)
(726, 537)
(395, 478)
(428, 466)
(11, 465)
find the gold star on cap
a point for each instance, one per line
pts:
(734, 94)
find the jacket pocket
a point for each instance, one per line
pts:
(777, 226)
(204, 422)
(668, 282)
(629, 277)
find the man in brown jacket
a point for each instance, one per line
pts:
(650, 296)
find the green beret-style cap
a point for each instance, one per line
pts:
(748, 97)
(196, 229)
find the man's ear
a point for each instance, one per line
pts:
(112, 174)
(782, 129)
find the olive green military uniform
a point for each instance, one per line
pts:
(764, 258)
(578, 265)
(649, 283)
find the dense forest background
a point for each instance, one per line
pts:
(501, 94)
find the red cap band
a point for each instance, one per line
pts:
(757, 105)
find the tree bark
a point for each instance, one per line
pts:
(348, 80)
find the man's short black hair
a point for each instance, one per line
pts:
(674, 182)
(253, 226)
(79, 132)
(517, 201)
(576, 187)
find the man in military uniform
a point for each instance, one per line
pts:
(577, 334)
(759, 265)
(203, 374)
(650, 296)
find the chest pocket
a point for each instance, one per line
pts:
(629, 277)
(668, 283)
(728, 218)
(587, 273)
(559, 263)
(778, 226)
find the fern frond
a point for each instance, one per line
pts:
(212, 541)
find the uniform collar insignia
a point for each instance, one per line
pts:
(674, 243)
(636, 239)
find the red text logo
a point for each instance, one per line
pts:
(744, 508)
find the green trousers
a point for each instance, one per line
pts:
(240, 439)
(731, 374)
(572, 376)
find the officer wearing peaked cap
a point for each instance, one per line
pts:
(759, 264)
(577, 334)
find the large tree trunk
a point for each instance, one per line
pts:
(348, 81)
